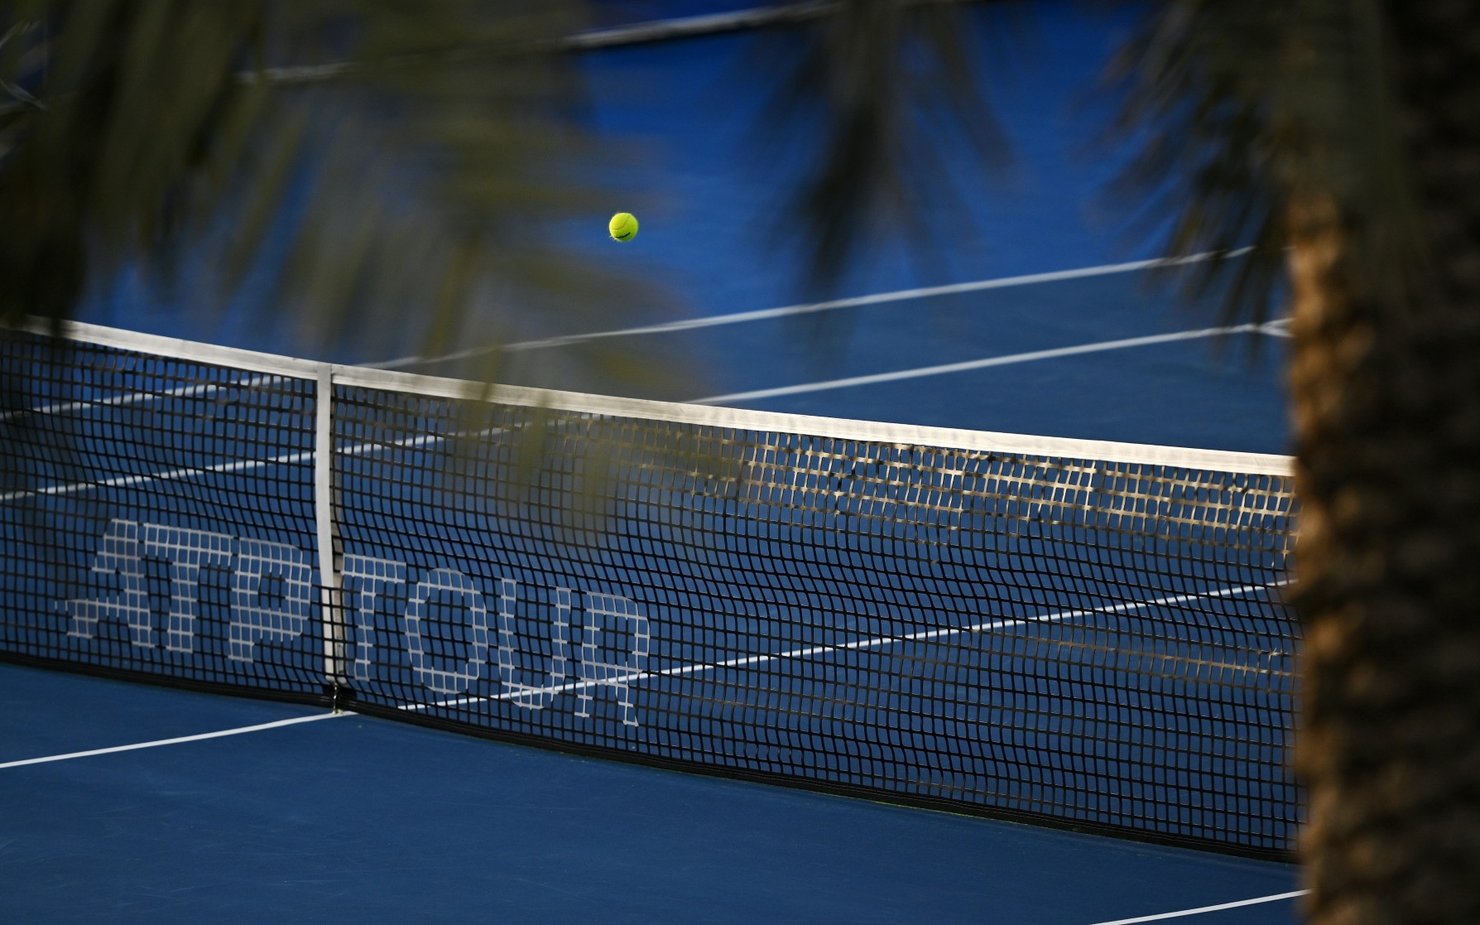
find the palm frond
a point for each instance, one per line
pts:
(373, 170)
(1236, 110)
(888, 85)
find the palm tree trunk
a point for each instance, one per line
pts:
(1385, 385)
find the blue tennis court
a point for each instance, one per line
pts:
(128, 802)
(362, 818)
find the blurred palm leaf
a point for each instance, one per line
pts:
(124, 113)
(387, 165)
(1239, 109)
(1340, 133)
(890, 86)
(377, 167)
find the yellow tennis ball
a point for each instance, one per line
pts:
(623, 226)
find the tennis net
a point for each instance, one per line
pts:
(1068, 632)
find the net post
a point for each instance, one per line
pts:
(330, 555)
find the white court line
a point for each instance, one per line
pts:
(126, 481)
(850, 382)
(1280, 327)
(1011, 359)
(1273, 328)
(133, 398)
(179, 740)
(1163, 916)
(878, 298)
(241, 465)
(855, 645)
(652, 31)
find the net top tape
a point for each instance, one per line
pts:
(680, 412)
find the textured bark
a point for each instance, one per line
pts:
(1386, 391)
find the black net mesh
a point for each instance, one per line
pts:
(1039, 635)
(157, 516)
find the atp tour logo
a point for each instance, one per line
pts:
(271, 601)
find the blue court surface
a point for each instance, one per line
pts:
(1041, 318)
